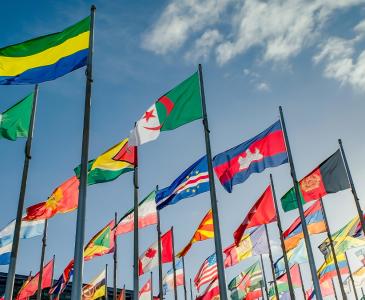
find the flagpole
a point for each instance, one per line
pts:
(135, 231)
(191, 290)
(329, 235)
(9, 289)
(308, 244)
(54, 261)
(334, 289)
(286, 262)
(352, 278)
(123, 298)
(151, 286)
(262, 289)
(213, 197)
(349, 176)
(44, 239)
(301, 281)
(362, 292)
(106, 282)
(173, 262)
(264, 276)
(183, 264)
(272, 263)
(81, 210)
(115, 260)
(159, 250)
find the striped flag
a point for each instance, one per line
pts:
(168, 280)
(193, 181)
(207, 272)
(211, 292)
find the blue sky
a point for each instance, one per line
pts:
(304, 55)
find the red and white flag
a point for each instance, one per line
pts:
(149, 259)
(207, 272)
(145, 293)
(212, 291)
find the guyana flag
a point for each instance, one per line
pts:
(116, 161)
(329, 177)
(179, 106)
(102, 243)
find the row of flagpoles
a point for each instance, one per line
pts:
(207, 165)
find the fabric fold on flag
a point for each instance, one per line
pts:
(207, 272)
(328, 269)
(96, 288)
(211, 292)
(145, 292)
(298, 255)
(168, 280)
(265, 150)
(204, 231)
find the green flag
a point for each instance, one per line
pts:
(14, 122)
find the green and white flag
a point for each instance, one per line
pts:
(14, 122)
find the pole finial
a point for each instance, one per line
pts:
(93, 7)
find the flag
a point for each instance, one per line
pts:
(265, 150)
(149, 259)
(102, 243)
(211, 292)
(248, 282)
(179, 106)
(145, 293)
(147, 215)
(122, 294)
(47, 57)
(328, 269)
(251, 244)
(298, 255)
(263, 212)
(31, 287)
(358, 277)
(168, 280)
(64, 199)
(25, 282)
(193, 181)
(96, 288)
(119, 159)
(14, 122)
(329, 177)
(28, 229)
(63, 280)
(282, 281)
(315, 224)
(5, 252)
(207, 272)
(204, 231)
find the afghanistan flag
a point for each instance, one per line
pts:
(177, 107)
(116, 161)
(14, 122)
(329, 177)
(96, 288)
(47, 57)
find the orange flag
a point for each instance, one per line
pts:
(205, 231)
(63, 199)
(30, 288)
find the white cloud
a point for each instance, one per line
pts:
(263, 87)
(203, 46)
(256, 80)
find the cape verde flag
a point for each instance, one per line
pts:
(193, 181)
(265, 150)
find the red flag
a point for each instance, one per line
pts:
(63, 199)
(212, 291)
(145, 292)
(122, 294)
(263, 212)
(31, 287)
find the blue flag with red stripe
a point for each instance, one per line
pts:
(265, 150)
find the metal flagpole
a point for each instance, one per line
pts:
(272, 263)
(191, 290)
(286, 262)
(264, 276)
(301, 281)
(151, 286)
(81, 211)
(9, 289)
(356, 198)
(44, 239)
(115, 261)
(160, 287)
(51, 297)
(135, 230)
(308, 245)
(213, 197)
(262, 289)
(343, 293)
(334, 289)
(106, 282)
(183, 264)
(362, 292)
(352, 278)
(173, 262)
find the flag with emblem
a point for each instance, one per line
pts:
(149, 259)
(266, 150)
(119, 159)
(329, 177)
(96, 288)
(179, 106)
(193, 181)
(207, 272)
(63, 199)
(205, 231)
(14, 122)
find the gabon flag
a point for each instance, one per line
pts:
(205, 231)
(263, 212)
(63, 199)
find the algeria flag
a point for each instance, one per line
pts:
(179, 106)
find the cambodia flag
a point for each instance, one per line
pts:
(266, 150)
